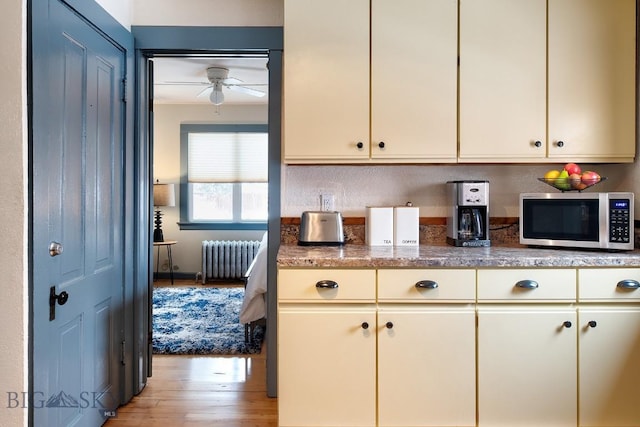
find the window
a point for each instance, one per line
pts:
(224, 176)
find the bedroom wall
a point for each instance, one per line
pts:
(166, 167)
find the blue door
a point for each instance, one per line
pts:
(77, 229)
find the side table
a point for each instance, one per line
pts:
(167, 244)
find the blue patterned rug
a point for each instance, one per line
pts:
(201, 321)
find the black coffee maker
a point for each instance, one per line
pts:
(468, 216)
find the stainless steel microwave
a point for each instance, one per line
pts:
(578, 220)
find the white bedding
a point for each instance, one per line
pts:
(254, 305)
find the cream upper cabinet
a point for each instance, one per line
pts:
(557, 92)
(414, 80)
(326, 80)
(502, 80)
(592, 75)
(352, 95)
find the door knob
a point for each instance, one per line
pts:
(55, 248)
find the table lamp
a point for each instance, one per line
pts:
(163, 195)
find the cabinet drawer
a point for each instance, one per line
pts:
(615, 284)
(426, 285)
(513, 285)
(316, 285)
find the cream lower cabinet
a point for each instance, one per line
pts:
(527, 348)
(426, 348)
(408, 360)
(444, 347)
(326, 347)
(609, 328)
(328, 367)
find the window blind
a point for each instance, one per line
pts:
(227, 157)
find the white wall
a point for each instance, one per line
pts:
(166, 167)
(121, 10)
(223, 13)
(13, 209)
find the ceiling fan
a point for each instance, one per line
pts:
(219, 77)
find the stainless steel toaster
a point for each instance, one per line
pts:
(321, 228)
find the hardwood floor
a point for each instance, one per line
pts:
(187, 391)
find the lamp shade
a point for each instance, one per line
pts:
(164, 195)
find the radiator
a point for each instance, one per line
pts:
(227, 259)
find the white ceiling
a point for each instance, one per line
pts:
(179, 80)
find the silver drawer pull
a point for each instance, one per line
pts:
(527, 284)
(426, 284)
(326, 284)
(628, 284)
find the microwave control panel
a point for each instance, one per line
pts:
(620, 220)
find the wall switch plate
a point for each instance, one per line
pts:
(327, 202)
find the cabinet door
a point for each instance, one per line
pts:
(609, 370)
(426, 366)
(502, 80)
(592, 97)
(326, 366)
(527, 372)
(326, 80)
(413, 80)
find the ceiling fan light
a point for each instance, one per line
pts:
(217, 97)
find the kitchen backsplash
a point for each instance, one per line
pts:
(500, 233)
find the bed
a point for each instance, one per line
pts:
(253, 308)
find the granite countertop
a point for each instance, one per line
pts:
(362, 256)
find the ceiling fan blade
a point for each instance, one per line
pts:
(205, 92)
(169, 83)
(231, 81)
(247, 90)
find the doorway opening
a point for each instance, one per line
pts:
(198, 44)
